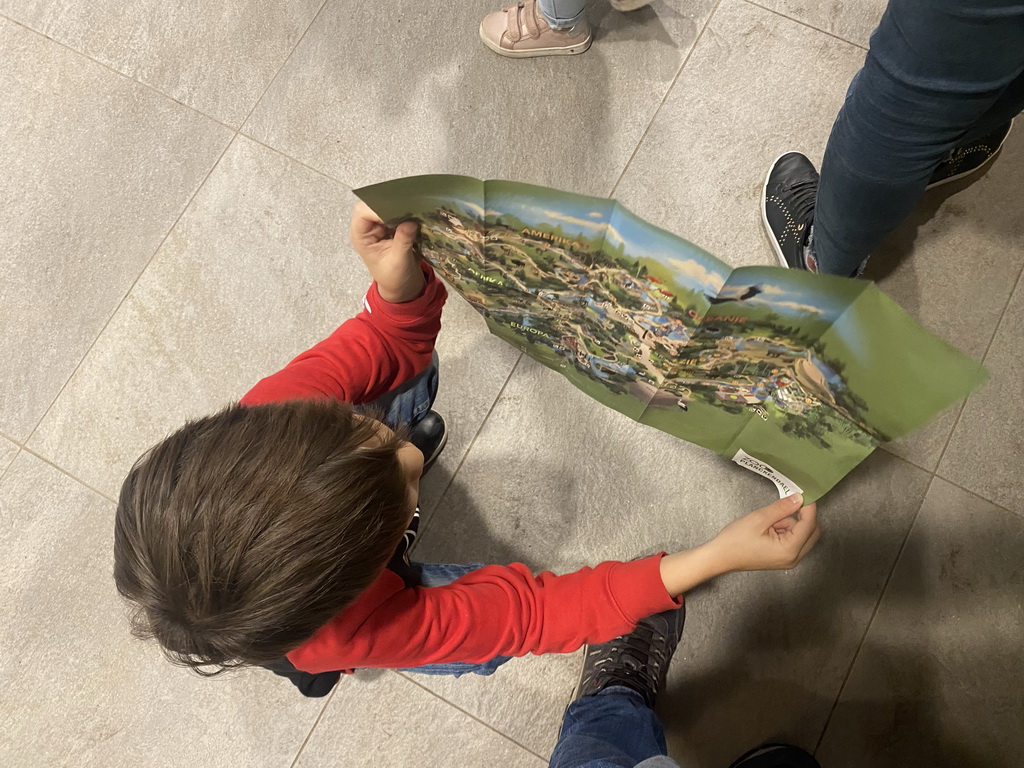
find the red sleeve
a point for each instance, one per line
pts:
(378, 349)
(495, 611)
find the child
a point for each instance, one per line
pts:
(529, 28)
(274, 532)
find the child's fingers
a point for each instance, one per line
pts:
(772, 514)
(807, 519)
(405, 236)
(809, 544)
(366, 225)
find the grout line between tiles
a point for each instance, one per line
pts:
(292, 159)
(67, 474)
(10, 439)
(485, 724)
(312, 728)
(120, 74)
(874, 613)
(984, 357)
(284, 63)
(668, 91)
(472, 442)
(803, 23)
(131, 288)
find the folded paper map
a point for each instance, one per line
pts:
(793, 375)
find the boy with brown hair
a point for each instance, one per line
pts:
(275, 532)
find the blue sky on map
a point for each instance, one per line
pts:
(695, 269)
(794, 293)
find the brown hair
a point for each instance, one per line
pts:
(243, 533)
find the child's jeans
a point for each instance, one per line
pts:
(407, 403)
(612, 729)
(432, 575)
(562, 14)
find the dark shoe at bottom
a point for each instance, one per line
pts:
(430, 435)
(638, 661)
(776, 756)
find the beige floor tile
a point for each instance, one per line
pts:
(257, 270)
(382, 719)
(77, 688)
(97, 169)
(852, 20)
(8, 451)
(764, 654)
(986, 450)
(216, 57)
(557, 481)
(700, 168)
(366, 112)
(524, 699)
(938, 680)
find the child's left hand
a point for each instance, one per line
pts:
(388, 256)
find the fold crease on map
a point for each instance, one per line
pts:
(783, 371)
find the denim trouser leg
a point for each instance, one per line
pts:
(433, 575)
(939, 73)
(613, 729)
(408, 403)
(561, 14)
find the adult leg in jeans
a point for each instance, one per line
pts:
(611, 721)
(939, 74)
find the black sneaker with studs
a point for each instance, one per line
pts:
(430, 435)
(970, 157)
(776, 756)
(787, 208)
(638, 661)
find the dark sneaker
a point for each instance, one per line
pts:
(430, 435)
(787, 207)
(969, 158)
(776, 756)
(638, 660)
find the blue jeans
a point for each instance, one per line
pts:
(433, 575)
(613, 729)
(939, 74)
(561, 14)
(407, 403)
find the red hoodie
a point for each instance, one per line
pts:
(495, 611)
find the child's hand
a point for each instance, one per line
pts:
(769, 539)
(388, 256)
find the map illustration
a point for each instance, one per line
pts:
(793, 375)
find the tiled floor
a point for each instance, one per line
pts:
(175, 198)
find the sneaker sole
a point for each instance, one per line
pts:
(764, 213)
(529, 53)
(973, 171)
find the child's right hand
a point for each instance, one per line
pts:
(767, 539)
(388, 256)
